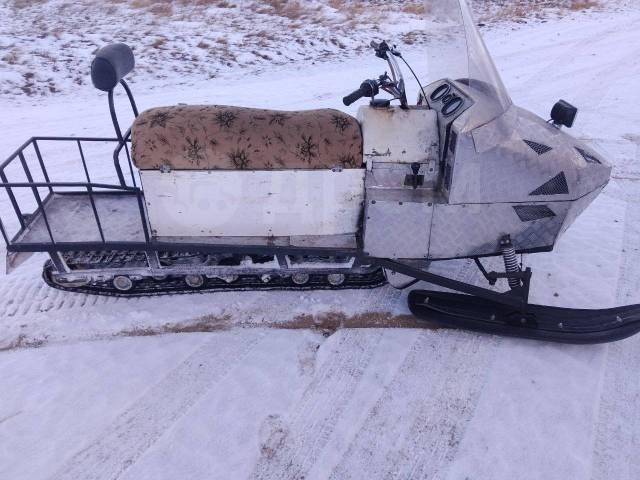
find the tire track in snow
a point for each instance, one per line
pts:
(28, 294)
(293, 445)
(437, 386)
(617, 439)
(629, 280)
(139, 427)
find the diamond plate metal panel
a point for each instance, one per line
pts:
(475, 229)
(494, 164)
(396, 229)
(577, 208)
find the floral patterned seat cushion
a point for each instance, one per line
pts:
(208, 137)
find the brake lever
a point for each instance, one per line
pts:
(385, 79)
(381, 49)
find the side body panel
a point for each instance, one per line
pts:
(516, 175)
(397, 226)
(257, 203)
(474, 229)
(397, 215)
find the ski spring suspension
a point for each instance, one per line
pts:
(510, 261)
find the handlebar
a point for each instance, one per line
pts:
(368, 88)
(354, 96)
(394, 85)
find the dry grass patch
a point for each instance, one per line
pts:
(19, 4)
(11, 58)
(414, 8)
(290, 9)
(583, 5)
(331, 321)
(501, 10)
(161, 9)
(207, 323)
(159, 42)
(21, 341)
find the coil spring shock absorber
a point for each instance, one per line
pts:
(510, 261)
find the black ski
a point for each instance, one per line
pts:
(553, 324)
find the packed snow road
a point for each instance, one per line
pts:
(204, 386)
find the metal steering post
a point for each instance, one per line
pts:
(518, 298)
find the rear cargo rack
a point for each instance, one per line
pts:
(81, 208)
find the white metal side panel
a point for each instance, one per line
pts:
(397, 135)
(253, 203)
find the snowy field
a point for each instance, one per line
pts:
(242, 385)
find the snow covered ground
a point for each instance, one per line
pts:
(41, 41)
(208, 386)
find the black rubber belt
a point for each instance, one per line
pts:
(176, 285)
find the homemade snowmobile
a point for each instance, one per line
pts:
(235, 198)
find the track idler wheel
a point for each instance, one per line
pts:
(123, 283)
(300, 278)
(194, 281)
(336, 279)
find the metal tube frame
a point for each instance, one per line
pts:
(122, 139)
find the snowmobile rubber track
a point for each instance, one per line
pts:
(176, 285)
(553, 324)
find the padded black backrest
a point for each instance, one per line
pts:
(111, 64)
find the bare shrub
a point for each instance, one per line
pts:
(414, 8)
(291, 9)
(11, 58)
(140, 3)
(584, 5)
(19, 4)
(159, 42)
(501, 10)
(161, 9)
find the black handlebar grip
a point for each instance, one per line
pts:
(354, 96)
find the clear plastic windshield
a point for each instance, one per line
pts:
(458, 52)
